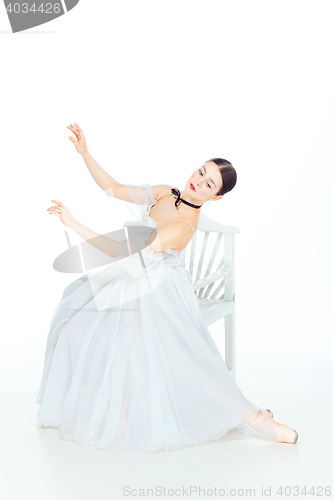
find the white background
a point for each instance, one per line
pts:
(159, 88)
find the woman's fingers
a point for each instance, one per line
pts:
(72, 129)
(76, 129)
(72, 140)
(58, 203)
(62, 212)
(79, 132)
(80, 142)
(79, 128)
(56, 208)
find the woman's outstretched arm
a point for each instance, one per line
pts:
(110, 247)
(102, 243)
(102, 178)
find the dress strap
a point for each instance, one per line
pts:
(151, 206)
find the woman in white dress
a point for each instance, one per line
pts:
(129, 363)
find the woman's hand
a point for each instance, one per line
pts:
(80, 144)
(63, 213)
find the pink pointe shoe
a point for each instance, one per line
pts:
(263, 422)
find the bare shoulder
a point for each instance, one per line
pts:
(160, 190)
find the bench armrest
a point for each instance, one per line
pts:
(211, 278)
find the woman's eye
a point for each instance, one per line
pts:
(202, 174)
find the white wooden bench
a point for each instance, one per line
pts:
(211, 264)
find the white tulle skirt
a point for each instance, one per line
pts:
(139, 370)
(130, 364)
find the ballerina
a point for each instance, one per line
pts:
(141, 372)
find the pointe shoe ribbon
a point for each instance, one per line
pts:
(284, 433)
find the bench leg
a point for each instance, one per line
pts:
(230, 354)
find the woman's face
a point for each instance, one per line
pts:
(204, 183)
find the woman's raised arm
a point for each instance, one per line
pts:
(109, 185)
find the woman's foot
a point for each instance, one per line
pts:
(263, 422)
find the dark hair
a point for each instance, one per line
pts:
(228, 174)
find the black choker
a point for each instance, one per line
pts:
(179, 199)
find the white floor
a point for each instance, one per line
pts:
(37, 464)
(283, 363)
